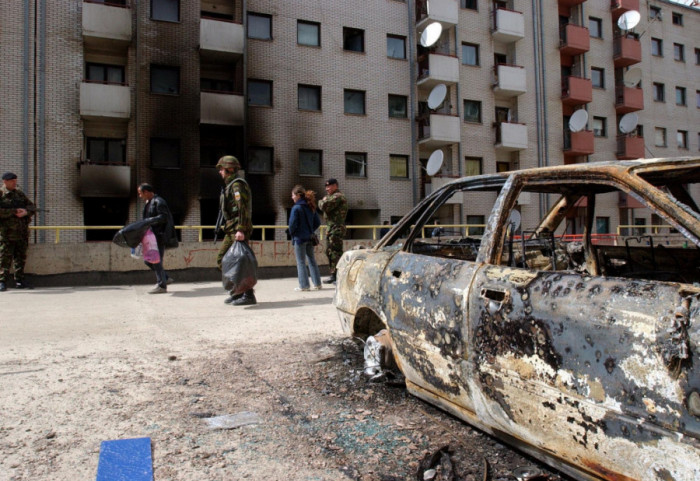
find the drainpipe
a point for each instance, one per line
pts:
(415, 172)
(540, 92)
(25, 99)
(459, 116)
(135, 76)
(244, 22)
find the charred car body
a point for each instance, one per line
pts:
(581, 351)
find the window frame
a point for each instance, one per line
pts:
(660, 133)
(261, 16)
(404, 159)
(603, 131)
(657, 47)
(349, 34)
(479, 161)
(479, 117)
(157, 19)
(164, 68)
(319, 160)
(682, 139)
(404, 100)
(346, 99)
(260, 82)
(601, 72)
(677, 19)
(309, 24)
(363, 161)
(464, 4)
(598, 22)
(171, 143)
(475, 46)
(655, 13)
(401, 38)
(684, 98)
(252, 159)
(658, 92)
(678, 52)
(105, 73)
(106, 141)
(310, 88)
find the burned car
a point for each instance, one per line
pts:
(579, 349)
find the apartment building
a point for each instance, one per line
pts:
(101, 96)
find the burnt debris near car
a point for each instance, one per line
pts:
(581, 350)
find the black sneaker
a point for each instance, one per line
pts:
(245, 300)
(230, 299)
(22, 285)
(330, 280)
(3, 287)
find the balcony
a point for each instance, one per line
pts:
(438, 130)
(221, 108)
(618, 7)
(574, 40)
(106, 26)
(628, 99)
(221, 39)
(630, 147)
(105, 180)
(576, 91)
(445, 12)
(509, 80)
(436, 69)
(578, 143)
(511, 136)
(509, 25)
(627, 50)
(104, 101)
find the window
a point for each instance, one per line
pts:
(215, 85)
(658, 92)
(502, 166)
(472, 166)
(398, 106)
(165, 153)
(470, 54)
(166, 10)
(680, 96)
(310, 162)
(472, 111)
(475, 220)
(308, 33)
(595, 27)
(355, 164)
(395, 46)
(103, 73)
(697, 98)
(682, 139)
(260, 160)
(660, 137)
(654, 13)
(398, 166)
(354, 102)
(259, 26)
(470, 4)
(657, 47)
(599, 127)
(598, 77)
(165, 80)
(309, 97)
(677, 19)
(697, 56)
(679, 52)
(602, 225)
(260, 93)
(101, 150)
(353, 39)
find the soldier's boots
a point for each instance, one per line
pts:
(247, 299)
(330, 280)
(3, 287)
(22, 285)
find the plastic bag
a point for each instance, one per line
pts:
(130, 235)
(137, 252)
(239, 268)
(150, 248)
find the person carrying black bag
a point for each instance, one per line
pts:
(158, 216)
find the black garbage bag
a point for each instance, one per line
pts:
(131, 235)
(239, 268)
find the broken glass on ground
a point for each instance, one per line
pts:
(232, 421)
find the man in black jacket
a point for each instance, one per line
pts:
(161, 221)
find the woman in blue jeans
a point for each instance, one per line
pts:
(303, 222)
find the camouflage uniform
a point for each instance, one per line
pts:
(335, 209)
(235, 203)
(14, 232)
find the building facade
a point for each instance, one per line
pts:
(102, 96)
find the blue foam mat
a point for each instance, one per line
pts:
(125, 460)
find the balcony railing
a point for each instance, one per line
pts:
(578, 143)
(628, 99)
(576, 90)
(106, 25)
(574, 40)
(627, 50)
(630, 147)
(511, 136)
(509, 80)
(436, 68)
(508, 25)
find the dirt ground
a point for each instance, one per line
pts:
(79, 366)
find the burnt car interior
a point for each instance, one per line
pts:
(568, 237)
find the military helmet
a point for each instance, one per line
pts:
(228, 162)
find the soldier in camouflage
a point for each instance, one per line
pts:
(335, 208)
(16, 211)
(236, 205)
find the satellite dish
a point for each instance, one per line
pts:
(431, 34)
(514, 220)
(629, 20)
(578, 120)
(632, 77)
(434, 162)
(628, 123)
(437, 96)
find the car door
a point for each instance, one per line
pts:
(575, 363)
